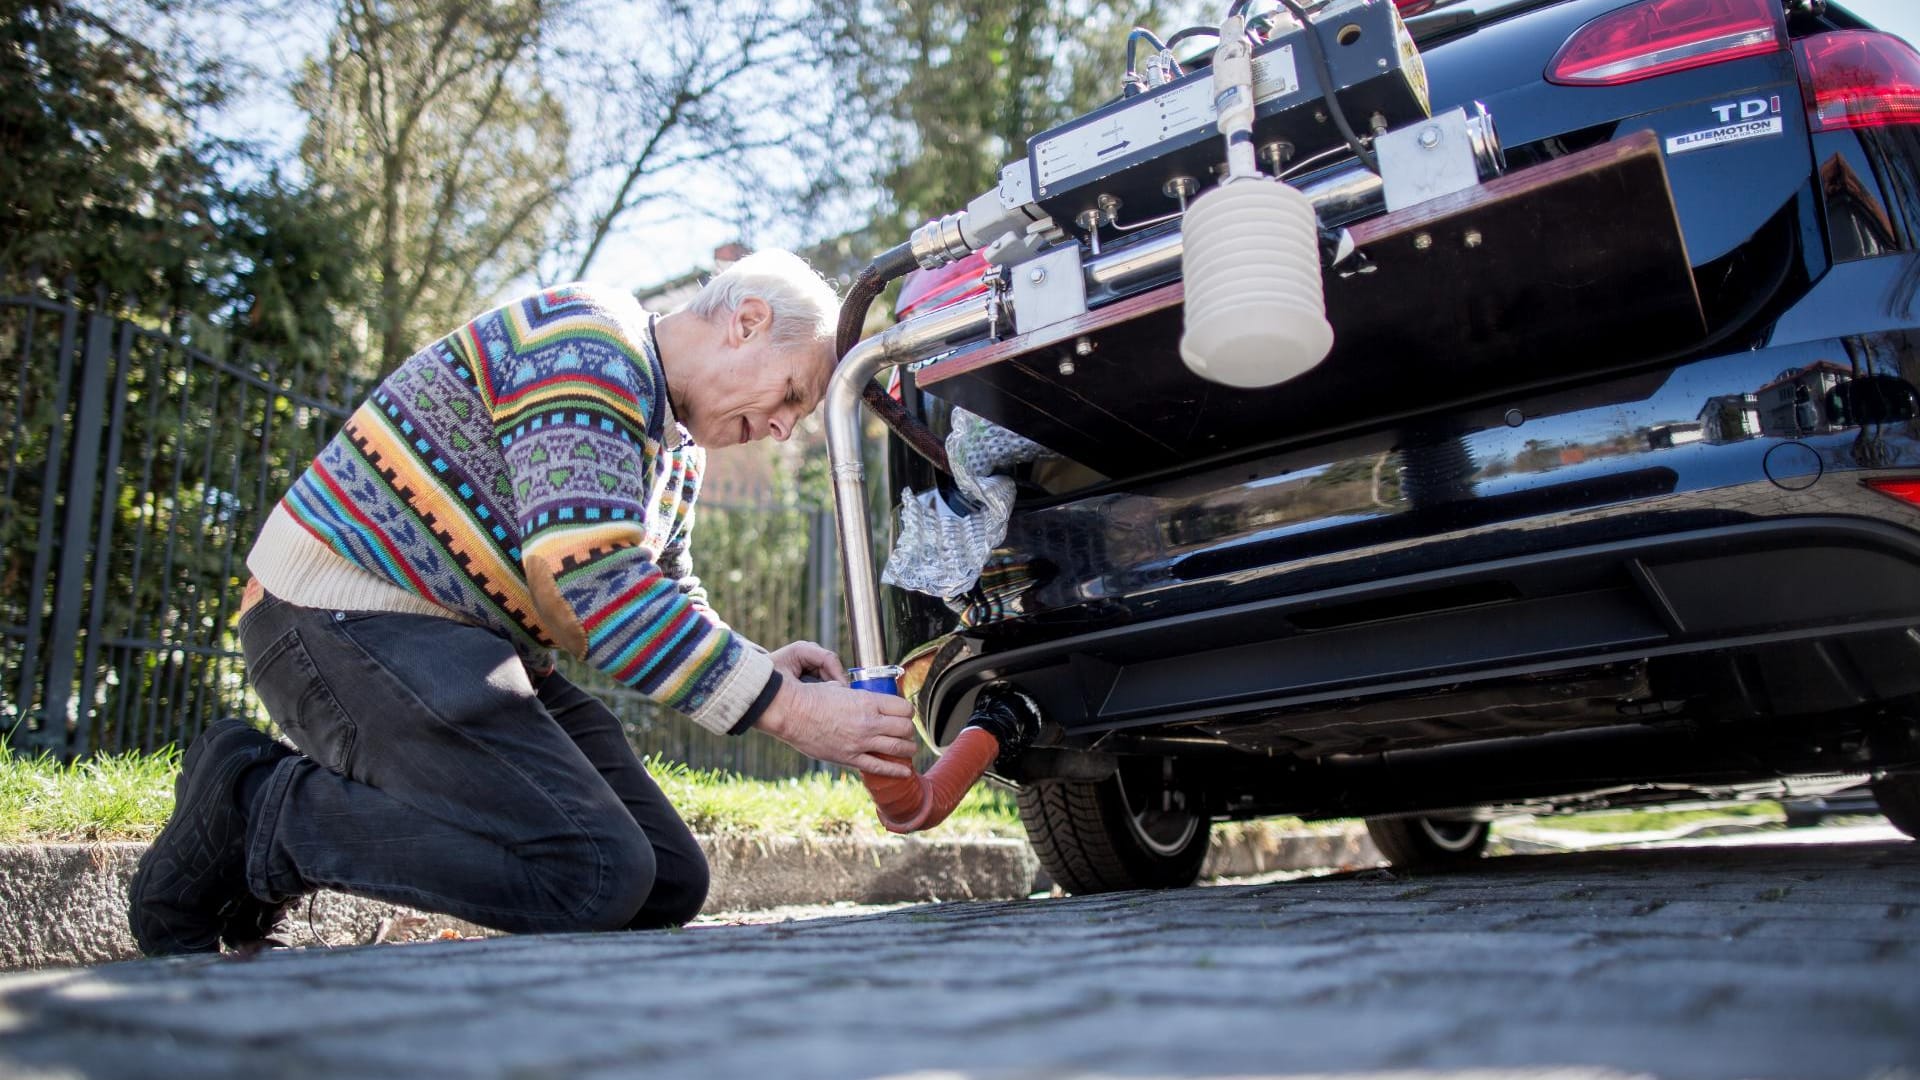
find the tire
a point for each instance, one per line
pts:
(1092, 838)
(1899, 799)
(1414, 842)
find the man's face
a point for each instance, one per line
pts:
(756, 391)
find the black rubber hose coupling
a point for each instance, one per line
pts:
(1010, 716)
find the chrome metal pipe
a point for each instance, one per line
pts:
(902, 343)
(1135, 264)
(1339, 198)
(1344, 196)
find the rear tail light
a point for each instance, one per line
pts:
(1904, 488)
(1660, 37)
(1860, 79)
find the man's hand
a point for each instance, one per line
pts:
(805, 660)
(842, 725)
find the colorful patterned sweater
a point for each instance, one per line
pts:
(526, 473)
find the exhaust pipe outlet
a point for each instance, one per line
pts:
(1003, 724)
(1011, 717)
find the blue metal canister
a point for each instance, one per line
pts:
(882, 679)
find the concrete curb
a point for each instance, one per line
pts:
(1251, 851)
(66, 904)
(1545, 839)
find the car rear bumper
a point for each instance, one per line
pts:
(1833, 601)
(1711, 508)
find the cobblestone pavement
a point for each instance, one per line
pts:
(1780, 960)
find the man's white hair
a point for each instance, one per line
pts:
(805, 309)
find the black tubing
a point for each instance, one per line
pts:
(1319, 50)
(895, 262)
(1142, 33)
(1192, 32)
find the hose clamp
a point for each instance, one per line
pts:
(939, 242)
(880, 678)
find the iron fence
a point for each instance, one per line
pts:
(137, 469)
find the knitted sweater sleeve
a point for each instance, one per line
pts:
(575, 410)
(676, 559)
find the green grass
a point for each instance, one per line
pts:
(1630, 821)
(119, 797)
(129, 796)
(831, 804)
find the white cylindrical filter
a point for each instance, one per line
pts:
(1256, 312)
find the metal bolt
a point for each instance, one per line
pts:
(1066, 367)
(1110, 204)
(1430, 136)
(1474, 239)
(1083, 347)
(1037, 275)
(1181, 188)
(1276, 154)
(1515, 418)
(1423, 241)
(1383, 64)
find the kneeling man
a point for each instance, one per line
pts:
(522, 485)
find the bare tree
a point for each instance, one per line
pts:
(436, 117)
(699, 106)
(494, 142)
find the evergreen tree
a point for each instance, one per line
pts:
(952, 89)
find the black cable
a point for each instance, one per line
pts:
(1193, 32)
(895, 262)
(1133, 39)
(1339, 115)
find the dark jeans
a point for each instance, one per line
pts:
(436, 773)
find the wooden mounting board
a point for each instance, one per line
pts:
(1580, 265)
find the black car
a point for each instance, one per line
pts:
(1534, 543)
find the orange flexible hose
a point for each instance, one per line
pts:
(920, 802)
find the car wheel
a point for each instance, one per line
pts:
(1138, 829)
(1425, 841)
(1899, 799)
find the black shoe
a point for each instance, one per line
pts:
(253, 924)
(192, 881)
(247, 923)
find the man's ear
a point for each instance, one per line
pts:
(752, 317)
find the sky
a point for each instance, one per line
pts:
(1894, 16)
(651, 251)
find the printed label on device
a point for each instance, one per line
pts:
(1275, 75)
(1124, 133)
(1171, 114)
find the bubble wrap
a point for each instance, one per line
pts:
(940, 550)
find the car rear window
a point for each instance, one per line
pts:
(1447, 16)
